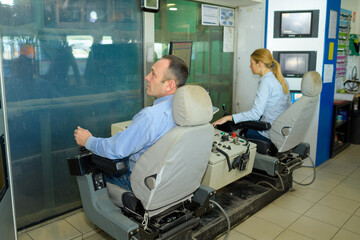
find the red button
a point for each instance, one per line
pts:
(234, 134)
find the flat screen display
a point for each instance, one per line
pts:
(294, 63)
(295, 95)
(296, 23)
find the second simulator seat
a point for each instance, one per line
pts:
(288, 130)
(167, 197)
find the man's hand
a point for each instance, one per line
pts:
(222, 120)
(81, 136)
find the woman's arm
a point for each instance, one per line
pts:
(222, 120)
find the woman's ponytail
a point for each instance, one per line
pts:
(277, 72)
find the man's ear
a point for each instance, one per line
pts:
(170, 86)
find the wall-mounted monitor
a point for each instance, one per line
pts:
(296, 24)
(295, 95)
(295, 64)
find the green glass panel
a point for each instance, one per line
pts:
(210, 66)
(66, 64)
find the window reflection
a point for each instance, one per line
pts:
(64, 66)
(80, 45)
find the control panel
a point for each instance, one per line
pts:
(231, 158)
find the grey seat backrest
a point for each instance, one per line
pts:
(172, 168)
(289, 129)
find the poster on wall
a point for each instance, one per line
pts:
(227, 17)
(332, 24)
(209, 15)
(228, 40)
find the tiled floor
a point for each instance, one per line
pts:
(327, 209)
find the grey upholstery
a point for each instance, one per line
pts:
(172, 169)
(289, 129)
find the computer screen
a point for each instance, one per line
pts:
(295, 95)
(3, 173)
(295, 64)
(296, 24)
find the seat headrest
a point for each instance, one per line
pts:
(311, 84)
(192, 106)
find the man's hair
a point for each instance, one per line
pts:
(178, 70)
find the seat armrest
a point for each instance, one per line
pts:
(255, 125)
(86, 162)
(111, 166)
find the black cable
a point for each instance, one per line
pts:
(227, 157)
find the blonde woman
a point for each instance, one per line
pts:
(272, 96)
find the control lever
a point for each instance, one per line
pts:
(224, 109)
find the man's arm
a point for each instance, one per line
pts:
(137, 136)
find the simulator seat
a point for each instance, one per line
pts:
(286, 152)
(167, 197)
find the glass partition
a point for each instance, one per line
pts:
(66, 64)
(180, 20)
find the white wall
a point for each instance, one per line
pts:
(300, 44)
(353, 5)
(249, 36)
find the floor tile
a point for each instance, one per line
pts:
(307, 193)
(23, 236)
(329, 176)
(338, 168)
(293, 203)
(346, 192)
(356, 174)
(352, 182)
(328, 215)
(60, 230)
(277, 215)
(235, 235)
(299, 177)
(357, 213)
(99, 236)
(288, 234)
(320, 185)
(314, 228)
(348, 161)
(353, 224)
(252, 225)
(82, 224)
(340, 203)
(346, 235)
(304, 171)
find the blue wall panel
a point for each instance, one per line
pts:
(327, 94)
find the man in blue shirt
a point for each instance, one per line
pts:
(148, 126)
